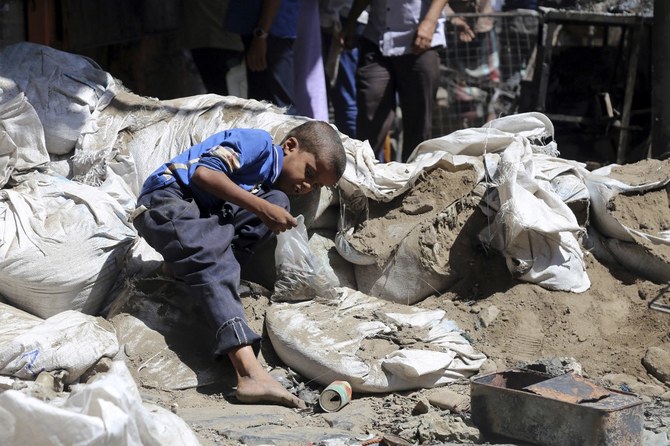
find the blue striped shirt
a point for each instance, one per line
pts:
(247, 156)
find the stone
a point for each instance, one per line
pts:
(488, 315)
(449, 400)
(657, 363)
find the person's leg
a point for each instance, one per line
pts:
(274, 84)
(343, 93)
(199, 250)
(375, 95)
(213, 65)
(418, 78)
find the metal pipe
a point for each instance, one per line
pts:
(661, 79)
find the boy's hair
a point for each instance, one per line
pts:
(322, 140)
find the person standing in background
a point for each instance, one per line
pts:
(398, 54)
(340, 63)
(214, 50)
(311, 97)
(268, 29)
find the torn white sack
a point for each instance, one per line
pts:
(108, 410)
(63, 245)
(356, 338)
(69, 341)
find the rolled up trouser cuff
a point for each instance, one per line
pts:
(236, 333)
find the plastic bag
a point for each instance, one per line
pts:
(300, 273)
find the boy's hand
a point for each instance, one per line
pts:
(220, 185)
(277, 218)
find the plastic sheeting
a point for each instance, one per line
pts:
(107, 411)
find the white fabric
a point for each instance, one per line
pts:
(63, 88)
(62, 245)
(108, 411)
(69, 341)
(323, 341)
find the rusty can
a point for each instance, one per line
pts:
(335, 396)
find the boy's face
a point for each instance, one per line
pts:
(301, 173)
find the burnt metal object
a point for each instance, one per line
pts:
(567, 410)
(569, 388)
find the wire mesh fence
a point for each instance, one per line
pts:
(481, 79)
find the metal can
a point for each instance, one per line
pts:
(335, 396)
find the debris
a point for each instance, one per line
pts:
(657, 363)
(568, 409)
(488, 315)
(449, 400)
(335, 396)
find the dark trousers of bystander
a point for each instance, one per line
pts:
(275, 83)
(413, 78)
(213, 65)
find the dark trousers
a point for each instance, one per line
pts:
(275, 83)
(342, 94)
(213, 65)
(205, 251)
(414, 78)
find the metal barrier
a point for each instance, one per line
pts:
(481, 79)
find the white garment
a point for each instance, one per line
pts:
(392, 25)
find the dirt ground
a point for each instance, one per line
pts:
(604, 333)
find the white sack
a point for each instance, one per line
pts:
(69, 341)
(533, 228)
(603, 190)
(634, 258)
(63, 88)
(326, 342)
(63, 245)
(107, 411)
(13, 322)
(22, 144)
(419, 266)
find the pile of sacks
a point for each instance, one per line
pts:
(75, 147)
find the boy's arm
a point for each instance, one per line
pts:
(218, 184)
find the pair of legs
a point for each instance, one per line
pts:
(276, 83)
(413, 78)
(342, 93)
(204, 249)
(213, 65)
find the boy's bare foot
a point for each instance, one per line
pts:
(265, 389)
(255, 385)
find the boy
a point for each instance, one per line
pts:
(210, 206)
